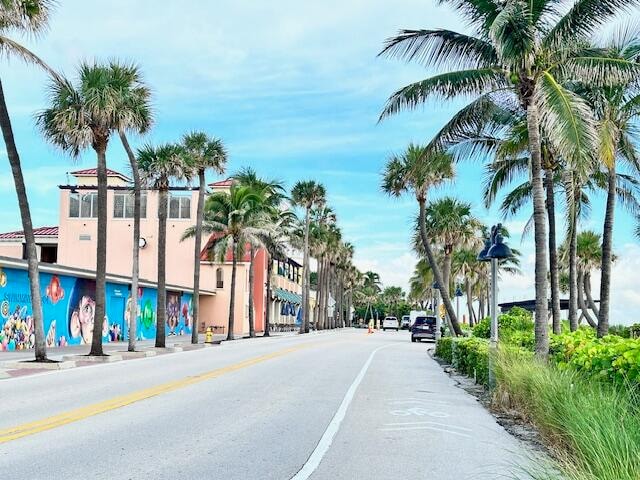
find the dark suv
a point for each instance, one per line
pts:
(423, 327)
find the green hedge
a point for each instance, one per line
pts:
(469, 356)
(611, 358)
(515, 328)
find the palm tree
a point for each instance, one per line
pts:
(418, 170)
(528, 50)
(29, 17)
(137, 98)
(271, 194)
(275, 241)
(205, 153)
(617, 110)
(465, 263)
(82, 116)
(158, 167)
(232, 221)
(307, 194)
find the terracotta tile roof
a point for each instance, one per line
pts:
(38, 232)
(222, 183)
(94, 171)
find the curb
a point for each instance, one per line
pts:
(31, 365)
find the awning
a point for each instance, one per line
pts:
(285, 296)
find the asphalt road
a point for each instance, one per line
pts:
(335, 405)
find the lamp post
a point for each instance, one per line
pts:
(437, 311)
(494, 250)
(458, 295)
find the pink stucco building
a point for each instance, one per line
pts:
(72, 243)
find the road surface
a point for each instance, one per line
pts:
(331, 405)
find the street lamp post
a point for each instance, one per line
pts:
(494, 250)
(437, 311)
(458, 295)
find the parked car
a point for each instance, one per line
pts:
(390, 323)
(424, 326)
(405, 323)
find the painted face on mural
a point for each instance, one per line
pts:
(82, 319)
(173, 312)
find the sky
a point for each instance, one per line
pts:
(294, 89)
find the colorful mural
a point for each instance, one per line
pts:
(69, 311)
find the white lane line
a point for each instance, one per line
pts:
(404, 429)
(327, 438)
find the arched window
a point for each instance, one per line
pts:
(219, 278)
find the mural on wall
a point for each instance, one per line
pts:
(69, 311)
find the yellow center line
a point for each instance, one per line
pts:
(81, 413)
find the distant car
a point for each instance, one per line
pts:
(423, 327)
(405, 323)
(390, 323)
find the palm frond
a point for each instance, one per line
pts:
(440, 47)
(445, 86)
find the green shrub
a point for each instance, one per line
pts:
(611, 358)
(482, 329)
(620, 331)
(514, 328)
(444, 349)
(593, 427)
(471, 357)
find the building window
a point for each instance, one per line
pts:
(179, 206)
(219, 278)
(123, 205)
(83, 206)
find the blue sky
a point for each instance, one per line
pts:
(293, 88)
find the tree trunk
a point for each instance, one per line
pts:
(232, 296)
(587, 292)
(319, 318)
(553, 252)
(195, 319)
(306, 274)
(573, 266)
(101, 250)
(267, 316)
(467, 286)
(161, 316)
(27, 227)
(446, 277)
(252, 330)
(607, 255)
(583, 306)
(455, 327)
(135, 267)
(540, 233)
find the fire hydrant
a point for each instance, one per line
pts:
(208, 335)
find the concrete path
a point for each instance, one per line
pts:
(334, 405)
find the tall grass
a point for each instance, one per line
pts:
(592, 428)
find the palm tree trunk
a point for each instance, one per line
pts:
(101, 250)
(540, 232)
(161, 316)
(196, 256)
(27, 227)
(582, 304)
(267, 316)
(252, 330)
(607, 258)
(446, 277)
(573, 269)
(306, 274)
(455, 327)
(467, 286)
(135, 267)
(553, 252)
(587, 292)
(232, 296)
(320, 294)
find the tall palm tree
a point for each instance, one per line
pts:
(159, 166)
(307, 194)
(271, 193)
(136, 97)
(232, 221)
(29, 17)
(465, 263)
(418, 170)
(617, 111)
(86, 115)
(526, 49)
(206, 153)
